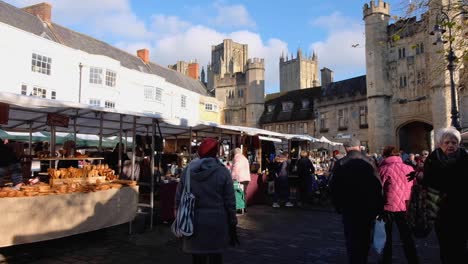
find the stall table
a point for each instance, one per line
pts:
(39, 218)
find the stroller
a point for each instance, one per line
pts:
(320, 190)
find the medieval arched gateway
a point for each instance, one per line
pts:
(415, 136)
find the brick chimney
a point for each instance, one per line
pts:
(143, 54)
(42, 10)
(193, 70)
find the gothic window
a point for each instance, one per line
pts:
(343, 119)
(363, 116)
(401, 53)
(53, 95)
(419, 48)
(240, 93)
(403, 82)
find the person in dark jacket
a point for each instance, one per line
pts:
(397, 190)
(356, 193)
(446, 171)
(305, 171)
(215, 218)
(9, 163)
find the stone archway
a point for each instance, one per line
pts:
(415, 137)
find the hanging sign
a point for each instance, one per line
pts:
(57, 120)
(4, 113)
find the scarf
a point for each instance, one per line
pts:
(445, 160)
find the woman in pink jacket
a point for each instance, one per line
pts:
(397, 190)
(240, 169)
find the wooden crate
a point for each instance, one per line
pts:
(83, 180)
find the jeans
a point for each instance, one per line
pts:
(406, 237)
(281, 190)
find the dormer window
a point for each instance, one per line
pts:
(287, 106)
(270, 108)
(305, 104)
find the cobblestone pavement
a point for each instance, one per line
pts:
(267, 235)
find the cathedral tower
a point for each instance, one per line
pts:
(379, 90)
(298, 73)
(238, 82)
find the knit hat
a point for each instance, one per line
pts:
(208, 148)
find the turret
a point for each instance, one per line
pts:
(379, 90)
(255, 90)
(381, 7)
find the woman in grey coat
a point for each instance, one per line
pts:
(215, 206)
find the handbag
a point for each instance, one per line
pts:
(183, 223)
(380, 236)
(422, 210)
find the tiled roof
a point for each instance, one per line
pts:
(346, 88)
(297, 113)
(25, 21)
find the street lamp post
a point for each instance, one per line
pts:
(444, 20)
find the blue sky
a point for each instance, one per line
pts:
(176, 30)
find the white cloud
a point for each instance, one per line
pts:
(163, 25)
(169, 38)
(336, 52)
(233, 16)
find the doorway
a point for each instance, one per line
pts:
(414, 137)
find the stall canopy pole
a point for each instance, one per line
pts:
(74, 127)
(159, 154)
(30, 138)
(190, 144)
(52, 145)
(153, 145)
(120, 146)
(101, 124)
(133, 147)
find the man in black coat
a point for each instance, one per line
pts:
(356, 193)
(9, 163)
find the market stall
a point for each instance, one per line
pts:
(54, 215)
(74, 193)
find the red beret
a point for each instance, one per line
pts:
(208, 148)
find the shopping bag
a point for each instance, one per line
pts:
(422, 210)
(379, 236)
(183, 223)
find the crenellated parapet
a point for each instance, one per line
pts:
(380, 7)
(255, 63)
